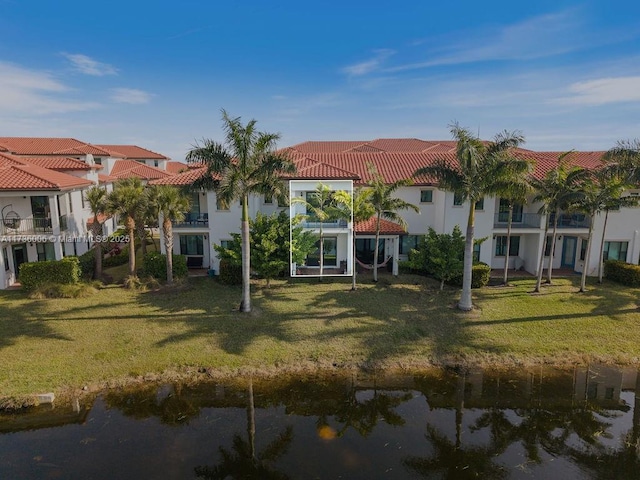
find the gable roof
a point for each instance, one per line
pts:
(132, 168)
(132, 152)
(60, 163)
(19, 175)
(176, 167)
(48, 146)
(181, 179)
(387, 227)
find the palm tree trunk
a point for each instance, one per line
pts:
(353, 263)
(552, 252)
(168, 242)
(466, 303)
(245, 306)
(321, 252)
(505, 280)
(601, 255)
(251, 422)
(97, 230)
(131, 228)
(375, 249)
(583, 279)
(544, 247)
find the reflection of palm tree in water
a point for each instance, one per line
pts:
(242, 461)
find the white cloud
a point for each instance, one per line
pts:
(368, 66)
(130, 95)
(603, 91)
(35, 92)
(536, 37)
(88, 66)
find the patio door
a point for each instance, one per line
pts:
(569, 251)
(19, 257)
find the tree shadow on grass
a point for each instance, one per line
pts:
(20, 319)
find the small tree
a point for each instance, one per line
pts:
(269, 240)
(128, 199)
(445, 254)
(97, 199)
(172, 205)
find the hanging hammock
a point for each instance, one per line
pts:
(370, 267)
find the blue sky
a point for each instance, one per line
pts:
(567, 74)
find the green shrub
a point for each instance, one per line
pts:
(117, 259)
(154, 264)
(87, 263)
(621, 272)
(230, 274)
(480, 276)
(63, 271)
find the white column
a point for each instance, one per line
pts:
(58, 247)
(396, 254)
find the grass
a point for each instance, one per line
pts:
(118, 334)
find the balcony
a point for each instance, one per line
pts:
(522, 220)
(31, 225)
(328, 224)
(193, 220)
(570, 220)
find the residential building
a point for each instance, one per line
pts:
(335, 161)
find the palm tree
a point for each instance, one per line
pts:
(624, 159)
(482, 169)
(324, 205)
(246, 163)
(601, 192)
(127, 199)
(97, 199)
(556, 191)
(362, 210)
(386, 206)
(172, 204)
(515, 193)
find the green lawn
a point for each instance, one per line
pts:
(48, 345)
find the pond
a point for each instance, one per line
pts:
(582, 422)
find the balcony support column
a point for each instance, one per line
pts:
(58, 247)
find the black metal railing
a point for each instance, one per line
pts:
(521, 220)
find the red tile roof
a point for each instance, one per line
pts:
(48, 146)
(14, 176)
(102, 178)
(132, 168)
(132, 152)
(397, 159)
(101, 218)
(368, 227)
(180, 179)
(176, 167)
(314, 169)
(59, 163)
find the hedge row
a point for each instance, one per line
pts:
(154, 264)
(230, 273)
(87, 261)
(35, 274)
(621, 272)
(480, 276)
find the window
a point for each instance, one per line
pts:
(191, 245)
(97, 160)
(268, 199)
(480, 204)
(583, 248)
(426, 196)
(547, 248)
(45, 251)
(501, 246)
(330, 257)
(70, 204)
(225, 243)
(82, 199)
(615, 251)
(457, 200)
(503, 212)
(476, 252)
(155, 163)
(221, 204)
(5, 257)
(408, 242)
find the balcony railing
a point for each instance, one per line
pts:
(193, 220)
(31, 225)
(329, 224)
(522, 220)
(570, 220)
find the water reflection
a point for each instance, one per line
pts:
(538, 423)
